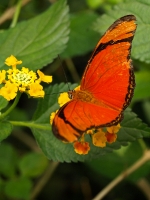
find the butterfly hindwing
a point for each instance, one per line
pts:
(75, 117)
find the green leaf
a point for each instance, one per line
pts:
(132, 129)
(8, 160)
(39, 40)
(82, 37)
(3, 102)
(33, 164)
(142, 89)
(5, 130)
(141, 9)
(19, 188)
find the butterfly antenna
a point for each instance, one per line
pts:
(66, 80)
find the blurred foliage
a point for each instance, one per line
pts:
(19, 170)
(43, 33)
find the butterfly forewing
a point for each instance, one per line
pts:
(109, 74)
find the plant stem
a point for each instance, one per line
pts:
(31, 125)
(44, 179)
(8, 14)
(123, 175)
(11, 107)
(144, 186)
(72, 70)
(16, 15)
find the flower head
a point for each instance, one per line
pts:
(111, 137)
(111, 133)
(113, 129)
(12, 61)
(63, 98)
(36, 90)
(2, 76)
(52, 116)
(99, 139)
(23, 80)
(9, 91)
(81, 148)
(42, 77)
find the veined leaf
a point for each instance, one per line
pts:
(37, 41)
(132, 129)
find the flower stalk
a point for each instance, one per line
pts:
(3, 115)
(16, 14)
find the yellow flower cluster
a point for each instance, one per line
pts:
(23, 80)
(100, 136)
(99, 139)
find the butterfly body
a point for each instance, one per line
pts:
(82, 95)
(106, 87)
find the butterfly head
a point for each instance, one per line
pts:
(70, 94)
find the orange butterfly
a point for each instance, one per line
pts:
(106, 88)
